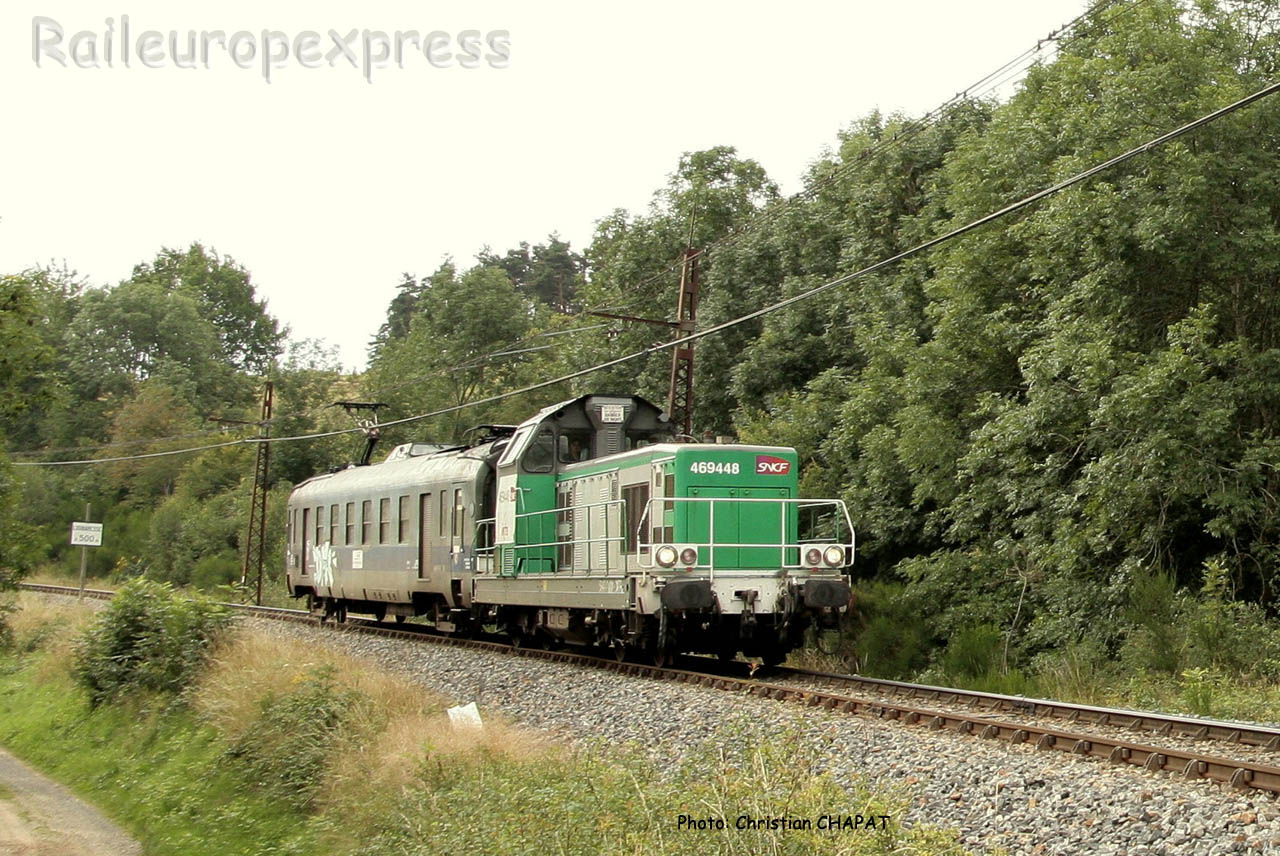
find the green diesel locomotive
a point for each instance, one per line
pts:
(586, 524)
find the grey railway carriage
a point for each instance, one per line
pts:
(586, 524)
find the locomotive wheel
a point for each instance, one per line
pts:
(400, 619)
(619, 650)
(662, 643)
(380, 613)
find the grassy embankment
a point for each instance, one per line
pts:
(278, 748)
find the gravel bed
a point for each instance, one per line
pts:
(996, 795)
(1243, 752)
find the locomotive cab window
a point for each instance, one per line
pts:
(513, 448)
(541, 455)
(574, 446)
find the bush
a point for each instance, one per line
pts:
(1155, 612)
(148, 638)
(287, 748)
(215, 570)
(893, 640)
(975, 658)
(1080, 672)
(1173, 631)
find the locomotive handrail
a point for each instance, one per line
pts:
(644, 553)
(484, 552)
(588, 512)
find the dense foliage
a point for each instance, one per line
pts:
(147, 639)
(1030, 424)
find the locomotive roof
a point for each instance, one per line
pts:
(553, 409)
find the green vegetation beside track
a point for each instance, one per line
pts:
(202, 739)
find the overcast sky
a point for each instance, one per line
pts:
(327, 183)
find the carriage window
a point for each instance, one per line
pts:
(384, 521)
(351, 523)
(319, 525)
(333, 524)
(541, 454)
(459, 514)
(302, 537)
(402, 533)
(444, 510)
(366, 522)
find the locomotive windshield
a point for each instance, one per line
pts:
(540, 458)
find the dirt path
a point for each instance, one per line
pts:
(39, 817)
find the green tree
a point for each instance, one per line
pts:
(634, 269)
(445, 360)
(248, 337)
(549, 272)
(399, 314)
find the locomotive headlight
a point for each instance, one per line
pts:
(813, 557)
(689, 556)
(666, 555)
(833, 556)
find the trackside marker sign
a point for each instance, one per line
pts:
(768, 465)
(86, 534)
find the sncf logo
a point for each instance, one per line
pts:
(768, 465)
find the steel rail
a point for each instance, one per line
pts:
(1192, 765)
(1163, 724)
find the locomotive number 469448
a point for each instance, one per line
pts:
(717, 467)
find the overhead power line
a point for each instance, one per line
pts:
(774, 307)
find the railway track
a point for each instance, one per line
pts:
(1042, 723)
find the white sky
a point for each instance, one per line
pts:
(327, 187)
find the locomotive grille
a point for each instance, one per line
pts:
(600, 526)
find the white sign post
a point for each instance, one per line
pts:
(86, 535)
